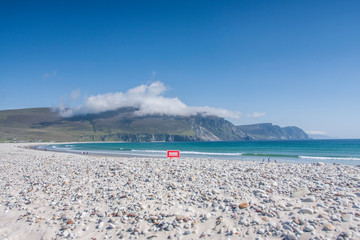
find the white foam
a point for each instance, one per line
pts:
(191, 152)
(211, 153)
(148, 151)
(332, 158)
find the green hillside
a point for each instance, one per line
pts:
(41, 124)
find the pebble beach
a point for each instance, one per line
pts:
(55, 195)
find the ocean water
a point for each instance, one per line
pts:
(307, 151)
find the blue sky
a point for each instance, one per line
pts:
(292, 62)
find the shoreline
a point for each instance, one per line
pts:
(294, 158)
(57, 195)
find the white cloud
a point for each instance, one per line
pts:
(315, 132)
(148, 99)
(256, 114)
(75, 94)
(49, 75)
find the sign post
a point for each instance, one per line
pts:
(173, 154)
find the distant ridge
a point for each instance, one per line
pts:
(42, 124)
(268, 131)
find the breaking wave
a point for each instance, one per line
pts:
(191, 153)
(332, 158)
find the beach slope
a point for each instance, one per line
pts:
(53, 195)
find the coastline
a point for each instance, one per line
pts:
(56, 195)
(298, 151)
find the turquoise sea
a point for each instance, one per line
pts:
(328, 151)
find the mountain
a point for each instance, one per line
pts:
(42, 124)
(268, 131)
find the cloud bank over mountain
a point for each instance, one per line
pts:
(148, 99)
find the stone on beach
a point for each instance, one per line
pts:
(308, 228)
(244, 205)
(308, 199)
(306, 210)
(290, 237)
(328, 227)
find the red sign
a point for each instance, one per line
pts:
(173, 154)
